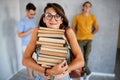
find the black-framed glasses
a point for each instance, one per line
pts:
(49, 16)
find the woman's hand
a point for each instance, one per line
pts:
(31, 30)
(58, 69)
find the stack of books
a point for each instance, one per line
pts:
(52, 46)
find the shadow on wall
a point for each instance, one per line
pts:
(8, 32)
(119, 36)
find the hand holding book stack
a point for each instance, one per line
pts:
(52, 46)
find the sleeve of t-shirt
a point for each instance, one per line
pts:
(95, 22)
(74, 22)
(20, 26)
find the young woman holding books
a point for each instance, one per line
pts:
(54, 17)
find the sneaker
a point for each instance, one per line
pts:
(87, 70)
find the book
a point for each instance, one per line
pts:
(50, 60)
(50, 32)
(50, 35)
(53, 53)
(53, 49)
(52, 40)
(51, 29)
(50, 56)
(46, 64)
(49, 43)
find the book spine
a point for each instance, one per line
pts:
(49, 60)
(46, 63)
(49, 43)
(50, 56)
(54, 50)
(51, 35)
(60, 30)
(52, 40)
(53, 53)
(50, 32)
(54, 47)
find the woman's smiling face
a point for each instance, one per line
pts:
(52, 19)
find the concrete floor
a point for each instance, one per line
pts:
(22, 75)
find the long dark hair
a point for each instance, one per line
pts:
(59, 10)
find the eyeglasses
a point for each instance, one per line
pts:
(49, 16)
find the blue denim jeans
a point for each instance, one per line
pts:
(64, 78)
(39, 78)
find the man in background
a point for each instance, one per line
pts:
(25, 28)
(85, 25)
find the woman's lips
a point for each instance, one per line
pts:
(53, 23)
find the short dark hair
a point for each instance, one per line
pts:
(87, 2)
(30, 6)
(59, 10)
